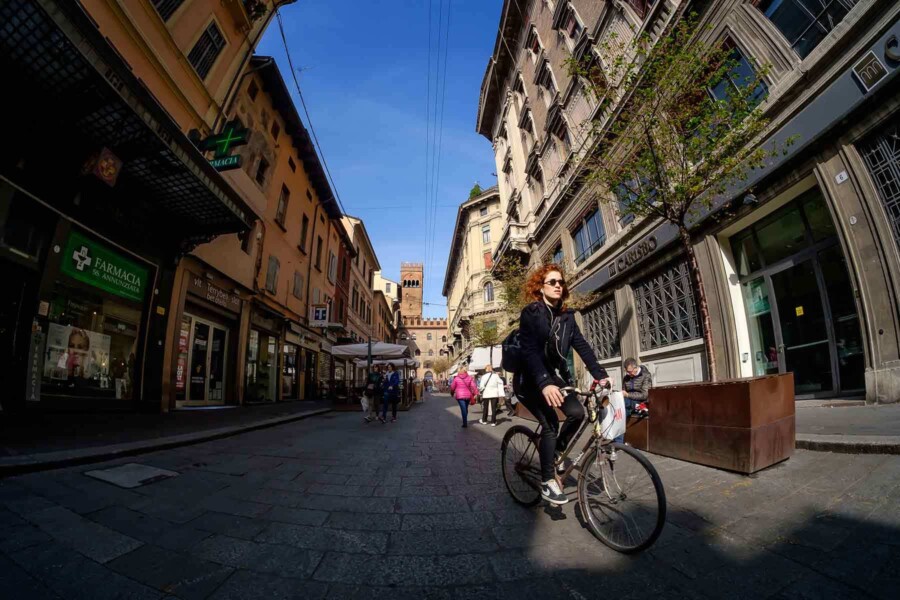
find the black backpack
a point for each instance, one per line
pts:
(512, 352)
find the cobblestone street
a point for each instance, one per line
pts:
(329, 507)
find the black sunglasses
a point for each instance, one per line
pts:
(553, 282)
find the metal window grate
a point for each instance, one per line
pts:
(881, 153)
(166, 8)
(206, 50)
(602, 328)
(667, 312)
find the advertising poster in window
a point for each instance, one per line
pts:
(181, 365)
(75, 353)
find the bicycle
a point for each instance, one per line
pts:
(619, 491)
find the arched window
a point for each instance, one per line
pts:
(403, 336)
(414, 337)
(489, 291)
(444, 338)
(431, 353)
(418, 353)
(429, 337)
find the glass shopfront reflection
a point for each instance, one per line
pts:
(798, 299)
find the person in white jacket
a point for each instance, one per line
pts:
(490, 386)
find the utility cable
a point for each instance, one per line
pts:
(306, 111)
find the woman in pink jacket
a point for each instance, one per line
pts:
(463, 389)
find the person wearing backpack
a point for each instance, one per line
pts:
(465, 391)
(491, 389)
(547, 330)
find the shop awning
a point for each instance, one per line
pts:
(397, 362)
(379, 350)
(52, 55)
(482, 354)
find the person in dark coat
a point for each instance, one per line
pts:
(391, 388)
(547, 329)
(636, 386)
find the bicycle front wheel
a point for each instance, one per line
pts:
(622, 498)
(521, 465)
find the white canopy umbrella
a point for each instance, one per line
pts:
(379, 350)
(397, 362)
(482, 354)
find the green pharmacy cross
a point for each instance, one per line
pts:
(232, 135)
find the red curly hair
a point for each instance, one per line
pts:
(536, 282)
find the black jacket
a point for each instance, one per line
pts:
(638, 386)
(543, 358)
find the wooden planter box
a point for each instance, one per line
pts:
(742, 425)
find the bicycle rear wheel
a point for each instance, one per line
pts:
(622, 498)
(521, 465)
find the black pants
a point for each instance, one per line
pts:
(551, 442)
(492, 403)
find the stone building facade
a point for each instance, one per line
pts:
(802, 275)
(471, 290)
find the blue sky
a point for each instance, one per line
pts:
(363, 71)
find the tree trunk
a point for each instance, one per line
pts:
(702, 304)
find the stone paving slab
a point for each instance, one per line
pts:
(338, 509)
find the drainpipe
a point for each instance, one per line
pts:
(312, 244)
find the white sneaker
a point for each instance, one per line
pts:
(551, 493)
(482, 421)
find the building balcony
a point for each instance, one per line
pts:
(514, 239)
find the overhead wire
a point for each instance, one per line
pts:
(309, 122)
(430, 211)
(438, 143)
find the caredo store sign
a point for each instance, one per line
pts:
(94, 264)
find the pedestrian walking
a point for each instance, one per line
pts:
(391, 387)
(465, 391)
(371, 394)
(491, 388)
(547, 330)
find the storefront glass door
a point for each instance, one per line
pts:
(206, 362)
(805, 346)
(798, 299)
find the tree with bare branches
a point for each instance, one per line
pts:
(681, 125)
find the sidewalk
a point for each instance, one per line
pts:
(847, 427)
(42, 441)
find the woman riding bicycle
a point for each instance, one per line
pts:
(547, 329)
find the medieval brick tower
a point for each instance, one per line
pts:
(411, 278)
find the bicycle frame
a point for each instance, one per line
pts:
(592, 419)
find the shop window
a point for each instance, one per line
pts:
(95, 313)
(261, 169)
(741, 75)
(489, 291)
(207, 49)
(602, 328)
(304, 230)
(666, 310)
(298, 285)
(262, 365)
(486, 234)
(281, 211)
(881, 153)
(589, 236)
(319, 253)
(166, 8)
(272, 274)
(805, 23)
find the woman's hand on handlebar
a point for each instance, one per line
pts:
(553, 396)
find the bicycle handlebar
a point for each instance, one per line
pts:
(587, 394)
